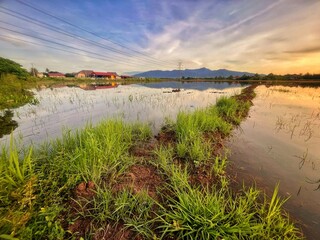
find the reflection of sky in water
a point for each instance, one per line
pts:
(280, 143)
(73, 107)
(194, 85)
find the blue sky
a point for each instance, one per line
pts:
(278, 36)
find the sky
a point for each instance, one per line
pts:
(258, 36)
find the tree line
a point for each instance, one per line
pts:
(8, 66)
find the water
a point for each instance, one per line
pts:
(280, 142)
(72, 107)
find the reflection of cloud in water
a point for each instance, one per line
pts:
(73, 107)
(280, 142)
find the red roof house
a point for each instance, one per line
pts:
(84, 74)
(111, 75)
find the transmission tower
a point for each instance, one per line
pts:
(180, 69)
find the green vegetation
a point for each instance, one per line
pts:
(114, 181)
(36, 184)
(16, 82)
(13, 92)
(7, 124)
(8, 66)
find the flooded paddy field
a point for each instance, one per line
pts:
(279, 143)
(106, 175)
(72, 107)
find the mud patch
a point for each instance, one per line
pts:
(203, 176)
(115, 232)
(144, 149)
(140, 178)
(247, 94)
(166, 136)
(85, 190)
(80, 227)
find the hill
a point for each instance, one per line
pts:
(194, 73)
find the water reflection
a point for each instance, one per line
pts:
(7, 124)
(73, 107)
(194, 85)
(280, 143)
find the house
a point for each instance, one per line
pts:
(125, 77)
(84, 74)
(109, 75)
(40, 75)
(55, 75)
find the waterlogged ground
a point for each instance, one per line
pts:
(280, 142)
(72, 107)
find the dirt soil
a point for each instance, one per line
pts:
(140, 178)
(115, 232)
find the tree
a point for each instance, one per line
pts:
(244, 77)
(69, 74)
(33, 71)
(8, 66)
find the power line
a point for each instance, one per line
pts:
(180, 68)
(57, 43)
(56, 29)
(55, 48)
(111, 57)
(85, 30)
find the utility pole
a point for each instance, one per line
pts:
(32, 68)
(180, 69)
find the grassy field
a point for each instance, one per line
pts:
(13, 92)
(116, 181)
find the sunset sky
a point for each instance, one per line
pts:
(259, 36)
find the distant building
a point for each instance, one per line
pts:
(84, 74)
(40, 74)
(109, 75)
(125, 77)
(55, 75)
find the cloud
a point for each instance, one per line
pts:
(248, 40)
(305, 50)
(248, 35)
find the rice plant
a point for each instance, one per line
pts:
(232, 110)
(217, 214)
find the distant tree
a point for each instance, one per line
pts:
(271, 76)
(47, 70)
(244, 77)
(33, 71)
(8, 66)
(69, 74)
(256, 77)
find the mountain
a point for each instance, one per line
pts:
(131, 73)
(200, 73)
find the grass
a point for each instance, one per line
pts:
(231, 110)
(82, 185)
(13, 92)
(217, 214)
(43, 179)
